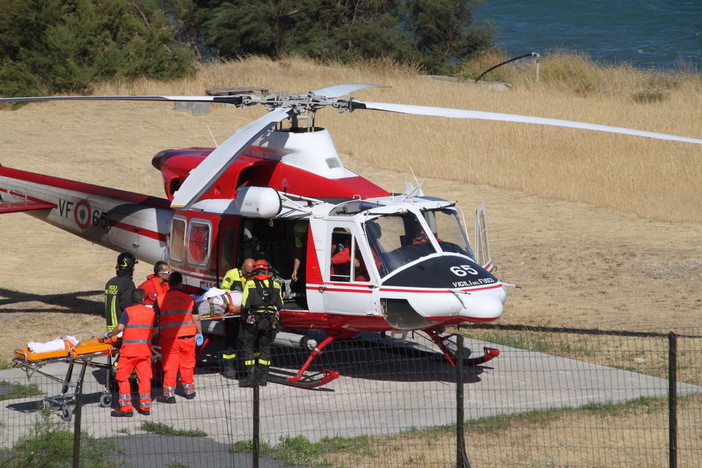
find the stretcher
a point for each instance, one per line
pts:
(83, 354)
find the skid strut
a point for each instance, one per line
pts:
(440, 341)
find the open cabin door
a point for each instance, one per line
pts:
(228, 246)
(482, 241)
(347, 287)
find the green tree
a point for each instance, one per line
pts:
(435, 33)
(52, 46)
(445, 33)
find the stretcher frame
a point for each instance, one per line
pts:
(83, 353)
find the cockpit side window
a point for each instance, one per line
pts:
(448, 230)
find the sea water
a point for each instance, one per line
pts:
(662, 34)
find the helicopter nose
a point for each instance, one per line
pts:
(483, 306)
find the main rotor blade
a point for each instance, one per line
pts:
(221, 99)
(480, 115)
(213, 166)
(342, 89)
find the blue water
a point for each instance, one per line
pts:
(645, 33)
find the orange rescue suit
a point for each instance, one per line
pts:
(154, 288)
(177, 341)
(135, 354)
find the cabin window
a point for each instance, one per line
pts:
(199, 243)
(177, 240)
(346, 261)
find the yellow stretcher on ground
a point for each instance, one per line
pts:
(82, 353)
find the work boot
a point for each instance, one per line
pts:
(121, 414)
(143, 412)
(263, 376)
(250, 379)
(229, 369)
(189, 396)
(165, 399)
(248, 382)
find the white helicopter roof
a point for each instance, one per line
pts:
(387, 205)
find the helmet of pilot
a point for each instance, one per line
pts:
(373, 230)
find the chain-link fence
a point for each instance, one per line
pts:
(573, 398)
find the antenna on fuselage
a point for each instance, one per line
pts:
(413, 175)
(213, 137)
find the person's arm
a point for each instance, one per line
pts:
(198, 324)
(245, 299)
(123, 319)
(342, 257)
(196, 319)
(296, 266)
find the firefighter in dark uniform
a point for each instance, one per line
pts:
(260, 304)
(118, 290)
(234, 280)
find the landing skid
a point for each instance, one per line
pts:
(307, 380)
(446, 347)
(444, 343)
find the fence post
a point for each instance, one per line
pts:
(461, 454)
(77, 414)
(256, 424)
(76, 428)
(672, 400)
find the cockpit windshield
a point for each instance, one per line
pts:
(398, 239)
(448, 230)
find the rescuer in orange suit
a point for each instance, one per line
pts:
(137, 325)
(180, 333)
(156, 284)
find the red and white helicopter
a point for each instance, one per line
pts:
(413, 269)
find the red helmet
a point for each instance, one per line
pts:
(261, 269)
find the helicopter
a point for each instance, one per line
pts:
(279, 183)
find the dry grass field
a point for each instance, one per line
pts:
(599, 230)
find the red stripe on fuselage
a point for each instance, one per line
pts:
(140, 230)
(440, 291)
(28, 198)
(367, 289)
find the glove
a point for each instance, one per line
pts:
(199, 339)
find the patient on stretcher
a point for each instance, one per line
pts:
(217, 301)
(58, 344)
(62, 347)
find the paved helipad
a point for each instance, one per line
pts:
(379, 392)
